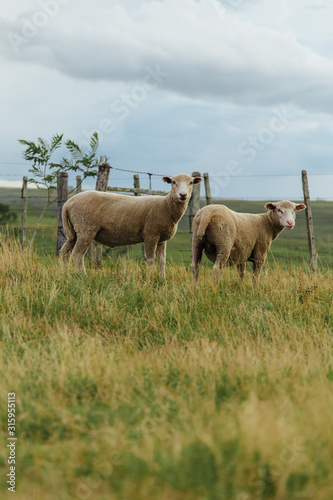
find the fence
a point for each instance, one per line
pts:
(136, 190)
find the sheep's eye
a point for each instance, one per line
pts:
(280, 211)
(191, 183)
(174, 183)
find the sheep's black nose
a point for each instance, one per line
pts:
(183, 196)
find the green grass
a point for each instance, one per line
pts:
(129, 386)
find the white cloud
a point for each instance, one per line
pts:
(14, 184)
(204, 55)
(223, 77)
(10, 184)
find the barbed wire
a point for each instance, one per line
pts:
(135, 171)
(265, 175)
(11, 175)
(161, 175)
(12, 163)
(212, 177)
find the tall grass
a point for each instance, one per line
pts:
(130, 387)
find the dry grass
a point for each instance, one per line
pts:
(129, 387)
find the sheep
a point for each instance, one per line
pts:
(116, 220)
(231, 238)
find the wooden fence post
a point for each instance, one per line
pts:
(194, 204)
(101, 185)
(78, 188)
(24, 196)
(207, 188)
(136, 184)
(62, 194)
(102, 177)
(136, 181)
(309, 222)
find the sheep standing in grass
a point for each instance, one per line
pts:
(117, 220)
(231, 238)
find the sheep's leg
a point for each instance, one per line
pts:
(80, 248)
(221, 259)
(196, 259)
(66, 250)
(257, 266)
(241, 270)
(161, 257)
(150, 251)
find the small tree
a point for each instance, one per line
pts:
(44, 171)
(86, 163)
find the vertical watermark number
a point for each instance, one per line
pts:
(12, 440)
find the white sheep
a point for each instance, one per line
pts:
(117, 220)
(231, 238)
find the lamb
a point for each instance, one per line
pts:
(116, 220)
(231, 238)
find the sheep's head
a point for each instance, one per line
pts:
(182, 186)
(284, 212)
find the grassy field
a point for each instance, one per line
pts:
(130, 387)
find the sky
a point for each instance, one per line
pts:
(240, 89)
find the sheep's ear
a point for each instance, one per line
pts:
(197, 180)
(270, 206)
(300, 206)
(167, 179)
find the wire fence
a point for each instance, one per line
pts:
(40, 195)
(179, 247)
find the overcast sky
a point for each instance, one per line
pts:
(241, 89)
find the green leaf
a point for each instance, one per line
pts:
(94, 142)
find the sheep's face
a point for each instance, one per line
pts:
(182, 186)
(284, 212)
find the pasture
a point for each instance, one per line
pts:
(130, 387)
